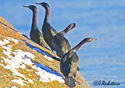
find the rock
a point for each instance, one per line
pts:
(25, 64)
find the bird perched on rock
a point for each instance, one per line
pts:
(69, 63)
(35, 34)
(48, 31)
(60, 43)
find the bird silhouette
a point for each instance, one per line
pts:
(48, 31)
(35, 34)
(69, 63)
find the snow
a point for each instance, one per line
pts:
(49, 58)
(5, 41)
(7, 51)
(19, 81)
(47, 55)
(13, 87)
(47, 74)
(12, 39)
(16, 61)
(47, 77)
(19, 59)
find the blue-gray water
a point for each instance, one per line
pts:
(102, 60)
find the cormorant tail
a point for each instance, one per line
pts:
(70, 81)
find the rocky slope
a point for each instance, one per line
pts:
(25, 64)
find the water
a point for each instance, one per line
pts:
(104, 69)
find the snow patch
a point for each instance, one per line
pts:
(47, 55)
(19, 59)
(46, 74)
(21, 81)
(18, 62)
(8, 50)
(18, 81)
(48, 58)
(47, 77)
(12, 39)
(5, 41)
(13, 87)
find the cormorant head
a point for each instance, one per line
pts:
(32, 7)
(86, 40)
(44, 4)
(72, 25)
(89, 39)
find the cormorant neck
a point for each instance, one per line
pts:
(66, 30)
(34, 19)
(75, 49)
(47, 8)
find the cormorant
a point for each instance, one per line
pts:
(35, 34)
(48, 31)
(60, 43)
(69, 63)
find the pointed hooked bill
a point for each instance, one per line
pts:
(38, 3)
(93, 39)
(26, 6)
(43, 4)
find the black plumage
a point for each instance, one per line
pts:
(69, 63)
(60, 43)
(35, 34)
(48, 31)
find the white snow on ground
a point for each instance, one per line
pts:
(46, 76)
(7, 50)
(5, 41)
(18, 81)
(49, 58)
(19, 59)
(13, 87)
(12, 39)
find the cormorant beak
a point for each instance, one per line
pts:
(94, 39)
(25, 6)
(38, 3)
